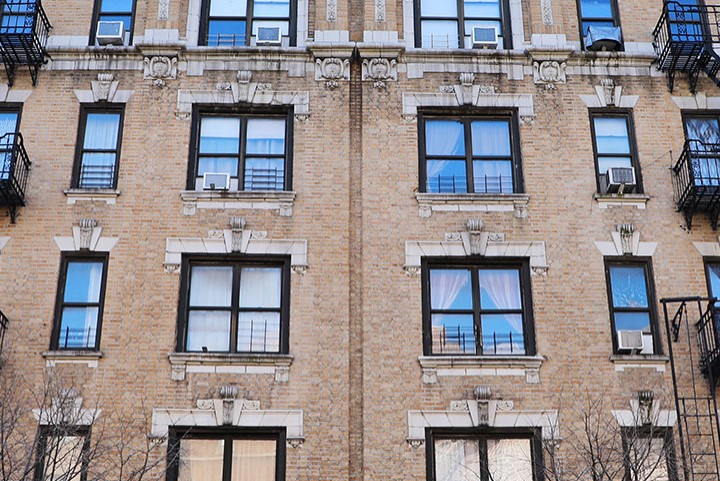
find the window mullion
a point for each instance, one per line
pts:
(249, 18)
(242, 145)
(234, 308)
(469, 156)
(461, 24)
(227, 458)
(477, 320)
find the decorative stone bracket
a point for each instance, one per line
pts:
(160, 68)
(86, 237)
(379, 70)
(626, 241)
(549, 73)
(332, 70)
(645, 411)
(607, 94)
(66, 408)
(104, 89)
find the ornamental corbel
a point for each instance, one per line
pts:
(104, 87)
(379, 70)
(86, 234)
(332, 70)
(237, 226)
(160, 68)
(549, 73)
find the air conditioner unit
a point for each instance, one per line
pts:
(629, 341)
(601, 38)
(484, 37)
(110, 33)
(216, 181)
(621, 180)
(268, 36)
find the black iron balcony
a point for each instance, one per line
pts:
(708, 328)
(696, 181)
(3, 327)
(683, 40)
(14, 167)
(24, 29)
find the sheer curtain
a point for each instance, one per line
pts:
(509, 460)
(260, 287)
(8, 125)
(253, 460)
(443, 137)
(210, 286)
(704, 136)
(502, 289)
(265, 136)
(457, 460)
(491, 137)
(445, 285)
(201, 459)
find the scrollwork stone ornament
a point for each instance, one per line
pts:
(163, 9)
(331, 10)
(295, 442)
(415, 443)
(550, 73)
(331, 70)
(160, 68)
(379, 70)
(379, 10)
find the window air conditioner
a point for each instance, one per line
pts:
(630, 341)
(603, 38)
(485, 37)
(110, 33)
(216, 181)
(268, 36)
(621, 180)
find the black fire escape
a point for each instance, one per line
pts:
(14, 168)
(24, 29)
(696, 181)
(3, 327)
(693, 331)
(683, 41)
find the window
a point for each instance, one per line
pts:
(98, 148)
(248, 22)
(226, 455)
(80, 298)
(450, 23)
(632, 302)
(649, 454)
(62, 454)
(702, 142)
(114, 11)
(614, 148)
(470, 154)
(9, 120)
(253, 152)
(235, 306)
(473, 309)
(468, 456)
(603, 16)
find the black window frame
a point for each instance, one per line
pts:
(483, 434)
(97, 13)
(103, 108)
(66, 259)
(475, 265)
(249, 19)
(505, 22)
(656, 432)
(200, 112)
(615, 19)
(46, 431)
(237, 262)
(467, 118)
(7, 147)
(177, 433)
(646, 263)
(627, 114)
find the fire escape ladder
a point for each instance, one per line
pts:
(690, 324)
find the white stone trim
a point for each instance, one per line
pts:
(11, 95)
(89, 358)
(521, 366)
(699, 101)
(3, 243)
(430, 202)
(598, 100)
(638, 201)
(652, 361)
(708, 249)
(109, 196)
(281, 201)
(277, 365)
(614, 248)
(104, 89)
(414, 100)
(633, 417)
(75, 243)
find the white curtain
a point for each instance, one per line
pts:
(219, 135)
(253, 460)
(228, 8)
(101, 131)
(509, 460)
(443, 137)
(201, 460)
(208, 330)
(457, 460)
(491, 137)
(445, 285)
(265, 136)
(211, 286)
(260, 286)
(502, 289)
(63, 460)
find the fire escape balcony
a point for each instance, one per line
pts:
(708, 328)
(696, 181)
(3, 327)
(685, 39)
(24, 29)
(14, 168)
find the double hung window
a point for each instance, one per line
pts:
(649, 454)
(632, 307)
(9, 120)
(97, 155)
(248, 22)
(602, 16)
(235, 306)
(614, 148)
(702, 144)
(452, 23)
(80, 299)
(478, 309)
(470, 155)
(252, 152)
(114, 11)
(62, 454)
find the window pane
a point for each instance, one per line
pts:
(439, 34)
(457, 460)
(446, 176)
(265, 136)
(604, 24)
(650, 456)
(8, 123)
(470, 24)
(208, 330)
(63, 458)
(453, 334)
(714, 276)
(611, 135)
(218, 165)
(450, 289)
(108, 6)
(258, 332)
(596, 8)
(502, 334)
(632, 321)
(211, 286)
(226, 32)
(78, 327)
(628, 286)
(438, 8)
(500, 289)
(228, 8)
(264, 174)
(219, 135)
(493, 176)
(604, 163)
(509, 459)
(705, 130)
(201, 460)
(491, 137)
(482, 8)
(253, 460)
(444, 137)
(271, 8)
(83, 281)
(97, 170)
(101, 131)
(260, 286)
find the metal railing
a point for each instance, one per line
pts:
(96, 176)
(708, 328)
(696, 172)
(258, 336)
(14, 168)
(264, 179)
(77, 338)
(24, 31)
(460, 340)
(3, 327)
(453, 184)
(225, 40)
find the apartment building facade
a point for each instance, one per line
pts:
(342, 240)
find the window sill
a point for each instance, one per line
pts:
(429, 203)
(72, 356)
(282, 201)
(220, 363)
(617, 200)
(91, 195)
(639, 361)
(434, 366)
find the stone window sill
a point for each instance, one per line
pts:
(282, 201)
(71, 356)
(91, 195)
(434, 366)
(617, 200)
(221, 363)
(429, 203)
(639, 361)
